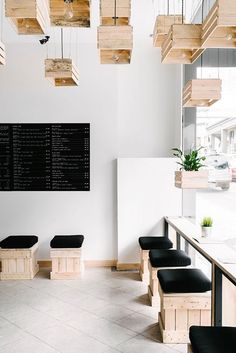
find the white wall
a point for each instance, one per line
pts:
(146, 193)
(130, 116)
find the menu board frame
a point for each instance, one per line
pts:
(62, 151)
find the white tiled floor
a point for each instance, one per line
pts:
(103, 312)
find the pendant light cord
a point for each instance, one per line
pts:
(182, 12)
(62, 49)
(1, 29)
(115, 13)
(168, 7)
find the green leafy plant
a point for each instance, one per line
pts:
(191, 161)
(207, 222)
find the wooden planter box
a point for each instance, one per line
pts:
(2, 54)
(218, 29)
(81, 11)
(201, 92)
(180, 311)
(27, 16)
(115, 44)
(66, 263)
(191, 180)
(144, 271)
(182, 44)
(19, 263)
(61, 72)
(108, 12)
(162, 27)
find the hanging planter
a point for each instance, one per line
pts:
(2, 54)
(219, 27)
(201, 92)
(27, 16)
(115, 44)
(162, 26)
(190, 176)
(70, 13)
(120, 9)
(182, 44)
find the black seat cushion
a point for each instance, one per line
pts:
(169, 258)
(67, 241)
(206, 339)
(148, 243)
(183, 280)
(19, 242)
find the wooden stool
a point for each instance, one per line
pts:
(185, 301)
(159, 260)
(146, 244)
(66, 255)
(212, 339)
(18, 257)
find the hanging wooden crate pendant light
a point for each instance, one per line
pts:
(182, 44)
(162, 26)
(201, 92)
(27, 16)
(70, 13)
(121, 9)
(219, 27)
(115, 44)
(2, 54)
(61, 72)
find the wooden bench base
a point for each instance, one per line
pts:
(179, 311)
(66, 263)
(144, 272)
(154, 299)
(18, 264)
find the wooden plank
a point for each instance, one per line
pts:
(112, 56)
(190, 348)
(115, 37)
(194, 318)
(205, 318)
(191, 302)
(181, 319)
(62, 72)
(170, 317)
(191, 180)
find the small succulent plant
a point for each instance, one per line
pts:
(207, 222)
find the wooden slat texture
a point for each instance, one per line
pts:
(18, 263)
(81, 13)
(219, 27)
(108, 12)
(27, 16)
(190, 348)
(201, 92)
(162, 27)
(61, 72)
(144, 271)
(191, 180)
(182, 44)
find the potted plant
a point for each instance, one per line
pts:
(190, 175)
(206, 224)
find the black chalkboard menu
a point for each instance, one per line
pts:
(44, 157)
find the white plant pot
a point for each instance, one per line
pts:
(206, 231)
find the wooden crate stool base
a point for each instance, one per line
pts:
(162, 259)
(67, 262)
(179, 311)
(190, 348)
(19, 263)
(147, 243)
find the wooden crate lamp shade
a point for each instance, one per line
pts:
(27, 16)
(2, 54)
(118, 9)
(61, 72)
(70, 13)
(182, 44)
(115, 44)
(162, 26)
(219, 27)
(201, 92)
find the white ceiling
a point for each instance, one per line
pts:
(142, 20)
